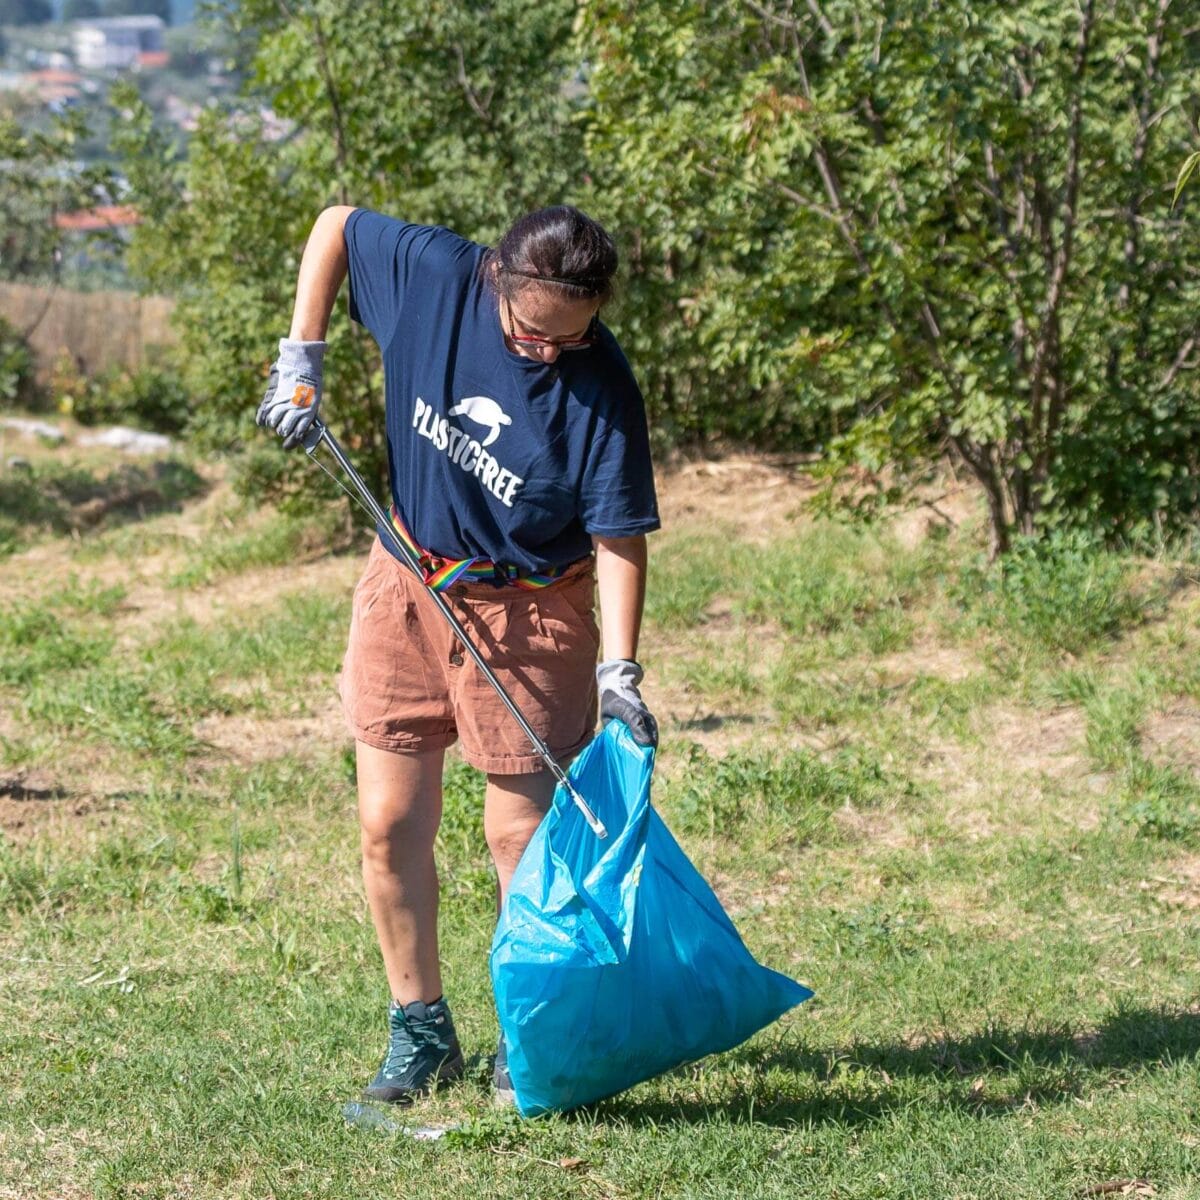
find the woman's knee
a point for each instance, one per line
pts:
(513, 809)
(507, 842)
(399, 805)
(386, 831)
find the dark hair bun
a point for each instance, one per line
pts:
(558, 246)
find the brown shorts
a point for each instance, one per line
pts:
(409, 686)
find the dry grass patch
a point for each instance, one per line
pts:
(250, 593)
(1178, 884)
(1037, 742)
(245, 739)
(1173, 737)
(953, 664)
(888, 828)
(755, 497)
(741, 896)
(945, 505)
(719, 726)
(80, 792)
(1024, 770)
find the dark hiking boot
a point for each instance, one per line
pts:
(501, 1080)
(423, 1053)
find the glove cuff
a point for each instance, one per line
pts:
(616, 673)
(297, 357)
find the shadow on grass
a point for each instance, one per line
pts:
(71, 499)
(713, 722)
(992, 1073)
(14, 787)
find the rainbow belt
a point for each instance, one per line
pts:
(439, 573)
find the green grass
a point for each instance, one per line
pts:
(277, 541)
(1063, 593)
(775, 799)
(1000, 928)
(848, 587)
(47, 496)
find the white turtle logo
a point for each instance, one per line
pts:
(483, 410)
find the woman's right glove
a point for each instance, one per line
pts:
(620, 700)
(293, 390)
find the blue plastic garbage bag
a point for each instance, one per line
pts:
(613, 961)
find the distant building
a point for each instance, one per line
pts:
(118, 43)
(91, 241)
(106, 217)
(152, 60)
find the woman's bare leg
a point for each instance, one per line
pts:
(399, 810)
(514, 806)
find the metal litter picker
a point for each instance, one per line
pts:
(319, 434)
(613, 960)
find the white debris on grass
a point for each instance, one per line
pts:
(42, 429)
(119, 437)
(133, 441)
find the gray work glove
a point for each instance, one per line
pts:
(618, 680)
(293, 391)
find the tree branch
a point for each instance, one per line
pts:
(1141, 142)
(727, 172)
(477, 107)
(768, 15)
(341, 147)
(1178, 365)
(821, 19)
(1045, 416)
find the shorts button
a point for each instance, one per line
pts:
(456, 660)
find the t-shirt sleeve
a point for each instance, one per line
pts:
(386, 258)
(617, 496)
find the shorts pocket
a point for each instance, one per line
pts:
(376, 576)
(566, 615)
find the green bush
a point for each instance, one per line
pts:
(18, 385)
(847, 226)
(52, 497)
(1160, 802)
(152, 397)
(1060, 592)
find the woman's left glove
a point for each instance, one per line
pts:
(293, 390)
(620, 700)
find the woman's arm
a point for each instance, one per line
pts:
(294, 384)
(322, 270)
(621, 578)
(621, 582)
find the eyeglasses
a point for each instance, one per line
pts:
(590, 337)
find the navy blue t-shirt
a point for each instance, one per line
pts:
(493, 454)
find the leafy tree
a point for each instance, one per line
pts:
(436, 112)
(40, 180)
(25, 12)
(899, 229)
(936, 227)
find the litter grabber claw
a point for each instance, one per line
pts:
(319, 434)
